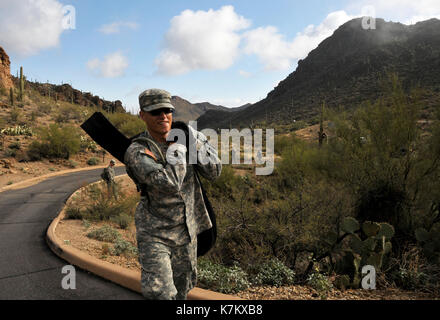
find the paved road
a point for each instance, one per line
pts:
(28, 268)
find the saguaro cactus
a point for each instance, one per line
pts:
(21, 84)
(11, 96)
(321, 134)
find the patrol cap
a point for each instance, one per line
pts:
(153, 99)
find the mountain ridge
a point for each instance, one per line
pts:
(344, 70)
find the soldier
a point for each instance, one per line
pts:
(109, 177)
(171, 212)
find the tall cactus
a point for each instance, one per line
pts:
(321, 133)
(21, 84)
(11, 96)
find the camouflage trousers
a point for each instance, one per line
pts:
(168, 272)
(112, 190)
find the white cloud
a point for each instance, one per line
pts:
(112, 66)
(276, 53)
(28, 26)
(116, 27)
(245, 74)
(201, 40)
(213, 40)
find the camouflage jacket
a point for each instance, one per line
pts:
(172, 207)
(109, 174)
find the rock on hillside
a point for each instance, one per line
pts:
(5, 70)
(345, 70)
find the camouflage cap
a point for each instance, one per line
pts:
(153, 99)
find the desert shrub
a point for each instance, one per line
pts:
(123, 247)
(15, 146)
(411, 270)
(10, 153)
(273, 273)
(87, 144)
(73, 164)
(44, 109)
(56, 142)
(101, 207)
(220, 278)
(123, 220)
(380, 154)
(15, 115)
(66, 113)
(320, 283)
(93, 161)
(74, 213)
(105, 233)
(128, 124)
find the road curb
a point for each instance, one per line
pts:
(32, 181)
(125, 277)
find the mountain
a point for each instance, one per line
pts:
(344, 70)
(187, 111)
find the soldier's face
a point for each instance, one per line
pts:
(160, 124)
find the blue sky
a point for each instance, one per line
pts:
(224, 52)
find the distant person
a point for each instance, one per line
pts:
(172, 211)
(109, 177)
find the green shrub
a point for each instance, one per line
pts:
(44, 108)
(274, 273)
(320, 283)
(93, 161)
(56, 142)
(123, 220)
(128, 124)
(15, 115)
(73, 164)
(66, 113)
(10, 153)
(73, 213)
(15, 146)
(220, 278)
(105, 233)
(123, 247)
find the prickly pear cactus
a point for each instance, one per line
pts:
(367, 244)
(350, 225)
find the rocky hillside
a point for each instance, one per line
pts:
(346, 69)
(187, 111)
(66, 93)
(5, 70)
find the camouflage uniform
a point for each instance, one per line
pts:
(168, 218)
(109, 173)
